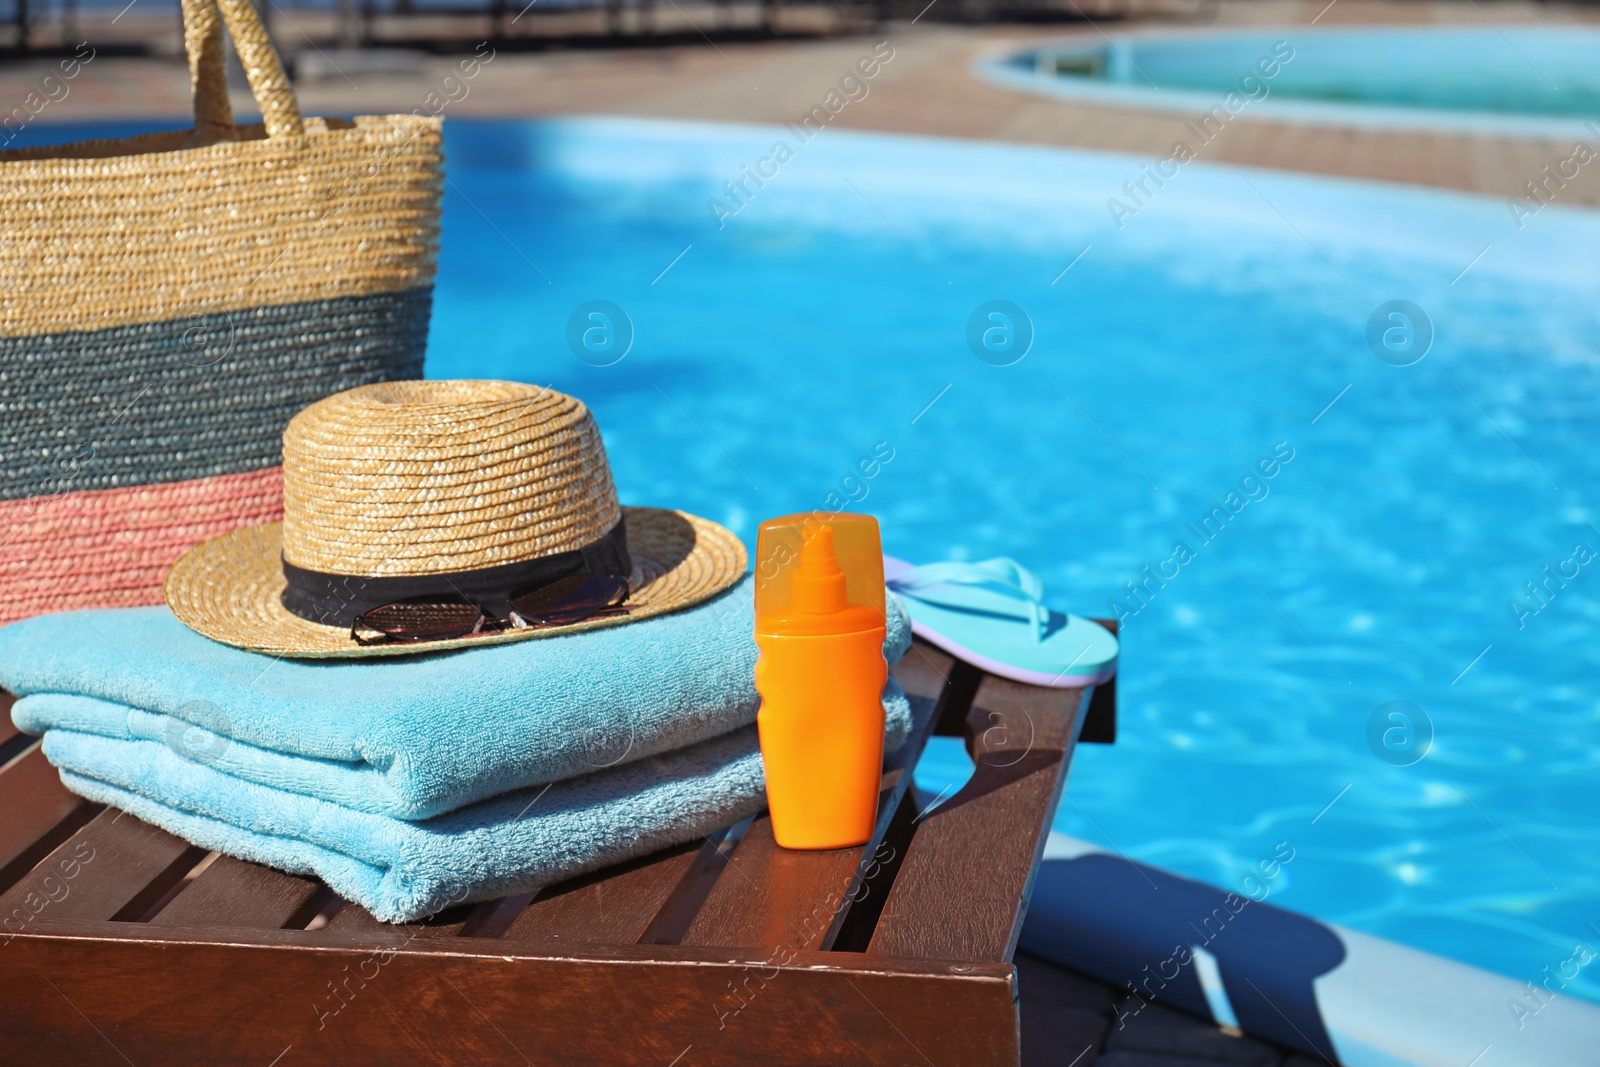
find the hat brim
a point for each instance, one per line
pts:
(230, 588)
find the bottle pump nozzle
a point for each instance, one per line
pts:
(819, 581)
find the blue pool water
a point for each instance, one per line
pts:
(774, 355)
(771, 355)
(1471, 75)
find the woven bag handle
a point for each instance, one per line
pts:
(208, 81)
(202, 40)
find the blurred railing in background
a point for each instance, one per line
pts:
(152, 27)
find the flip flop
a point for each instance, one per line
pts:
(992, 615)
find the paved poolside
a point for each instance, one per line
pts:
(925, 88)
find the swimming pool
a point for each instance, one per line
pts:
(827, 322)
(1525, 80)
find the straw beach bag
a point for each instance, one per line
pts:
(169, 301)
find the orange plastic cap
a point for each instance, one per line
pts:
(819, 573)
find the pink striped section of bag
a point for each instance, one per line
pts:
(112, 547)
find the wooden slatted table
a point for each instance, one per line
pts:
(123, 944)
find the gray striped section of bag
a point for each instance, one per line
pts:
(190, 398)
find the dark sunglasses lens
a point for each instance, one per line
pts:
(572, 599)
(423, 620)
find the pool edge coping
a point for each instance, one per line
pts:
(996, 66)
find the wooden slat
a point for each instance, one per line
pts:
(232, 892)
(36, 814)
(963, 887)
(772, 897)
(488, 918)
(867, 895)
(353, 918)
(683, 904)
(16, 745)
(195, 995)
(923, 671)
(611, 907)
(13, 742)
(929, 672)
(116, 867)
(8, 730)
(491, 918)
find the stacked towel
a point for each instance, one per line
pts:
(410, 783)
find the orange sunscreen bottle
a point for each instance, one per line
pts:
(819, 614)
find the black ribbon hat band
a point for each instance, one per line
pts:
(337, 599)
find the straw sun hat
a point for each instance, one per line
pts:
(411, 488)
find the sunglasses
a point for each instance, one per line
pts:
(577, 598)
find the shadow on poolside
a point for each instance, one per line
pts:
(1137, 927)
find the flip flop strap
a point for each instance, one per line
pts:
(1004, 576)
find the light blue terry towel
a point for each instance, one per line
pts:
(409, 737)
(401, 870)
